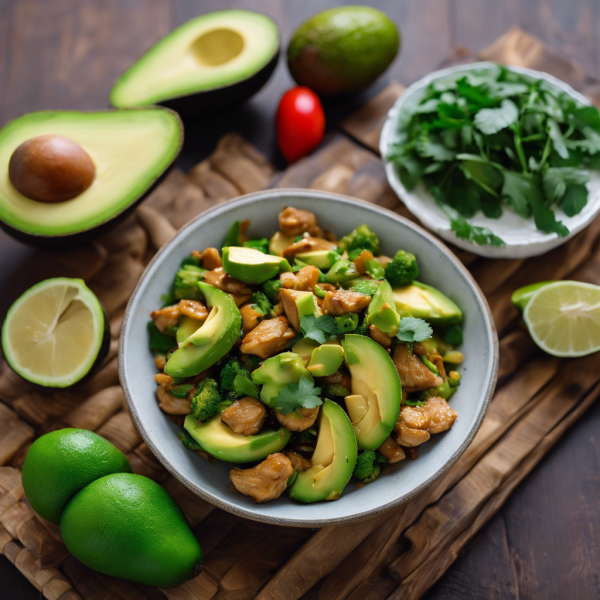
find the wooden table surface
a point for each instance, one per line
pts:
(544, 542)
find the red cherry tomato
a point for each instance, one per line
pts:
(300, 123)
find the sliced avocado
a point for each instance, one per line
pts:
(298, 304)
(374, 405)
(382, 312)
(211, 62)
(211, 342)
(252, 266)
(130, 150)
(276, 372)
(186, 327)
(333, 460)
(219, 440)
(341, 272)
(523, 295)
(326, 360)
(279, 242)
(304, 348)
(425, 302)
(322, 259)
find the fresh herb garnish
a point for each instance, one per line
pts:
(319, 329)
(412, 329)
(495, 138)
(303, 394)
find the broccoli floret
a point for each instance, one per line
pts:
(402, 269)
(188, 441)
(362, 238)
(262, 302)
(230, 371)
(250, 362)
(271, 288)
(305, 437)
(373, 476)
(380, 459)
(363, 328)
(262, 245)
(206, 401)
(364, 464)
(186, 282)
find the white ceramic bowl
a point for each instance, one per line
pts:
(521, 235)
(339, 214)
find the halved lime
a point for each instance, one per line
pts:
(55, 333)
(563, 318)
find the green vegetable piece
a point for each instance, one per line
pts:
(340, 272)
(412, 329)
(446, 390)
(402, 269)
(252, 266)
(346, 323)
(335, 389)
(373, 475)
(261, 245)
(159, 342)
(425, 302)
(374, 268)
(188, 441)
(319, 292)
(362, 238)
(320, 329)
(206, 401)
(326, 360)
(322, 259)
(430, 365)
(231, 369)
(271, 288)
(186, 282)
(382, 312)
(454, 357)
(181, 391)
(364, 464)
(233, 235)
(363, 286)
(454, 335)
(291, 479)
(243, 386)
(363, 328)
(211, 342)
(522, 296)
(296, 395)
(276, 372)
(454, 378)
(263, 304)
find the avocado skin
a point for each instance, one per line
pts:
(221, 99)
(82, 237)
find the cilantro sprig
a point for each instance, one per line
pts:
(494, 138)
(412, 329)
(302, 394)
(319, 329)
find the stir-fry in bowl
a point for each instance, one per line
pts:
(300, 358)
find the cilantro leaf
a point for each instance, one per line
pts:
(517, 189)
(574, 200)
(429, 148)
(412, 329)
(493, 120)
(302, 394)
(558, 141)
(556, 179)
(545, 219)
(322, 329)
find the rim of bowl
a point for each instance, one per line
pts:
(520, 250)
(220, 501)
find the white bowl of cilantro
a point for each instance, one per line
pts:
(501, 161)
(297, 408)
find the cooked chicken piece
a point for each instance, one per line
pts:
(268, 338)
(392, 451)
(219, 279)
(407, 436)
(245, 416)
(166, 317)
(288, 301)
(414, 374)
(278, 309)
(170, 404)
(359, 261)
(293, 221)
(307, 244)
(379, 336)
(419, 348)
(164, 379)
(438, 362)
(193, 309)
(415, 417)
(303, 280)
(209, 257)
(327, 287)
(342, 302)
(412, 453)
(160, 362)
(383, 260)
(441, 416)
(298, 461)
(266, 481)
(250, 318)
(240, 299)
(298, 420)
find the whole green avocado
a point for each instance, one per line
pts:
(342, 50)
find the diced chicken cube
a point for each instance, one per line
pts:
(441, 416)
(245, 416)
(293, 221)
(392, 451)
(414, 374)
(250, 318)
(342, 302)
(221, 280)
(209, 258)
(265, 482)
(166, 317)
(298, 461)
(268, 338)
(303, 280)
(298, 420)
(193, 309)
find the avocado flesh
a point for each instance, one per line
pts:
(252, 266)
(212, 341)
(425, 302)
(326, 360)
(382, 312)
(213, 51)
(219, 440)
(130, 149)
(186, 327)
(333, 460)
(374, 404)
(322, 259)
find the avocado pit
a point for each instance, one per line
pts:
(51, 168)
(217, 47)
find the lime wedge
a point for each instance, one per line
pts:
(563, 318)
(55, 333)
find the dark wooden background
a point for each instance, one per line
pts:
(544, 543)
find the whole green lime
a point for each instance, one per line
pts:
(61, 463)
(128, 526)
(342, 49)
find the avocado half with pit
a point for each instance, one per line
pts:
(212, 62)
(374, 404)
(69, 175)
(333, 460)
